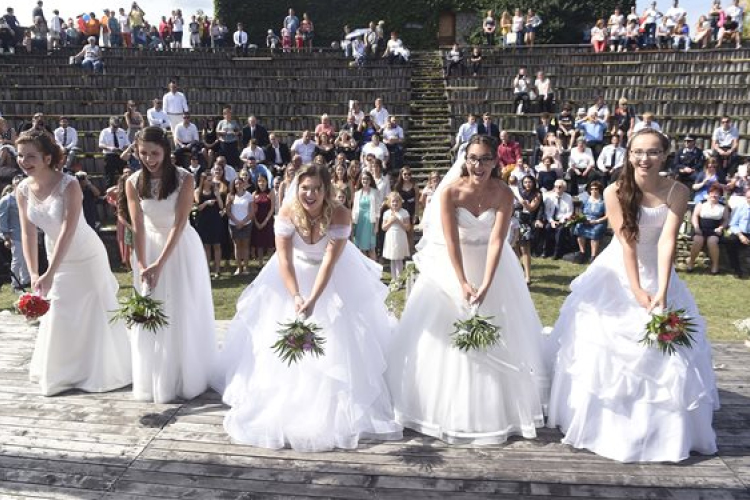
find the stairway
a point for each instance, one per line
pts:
(429, 135)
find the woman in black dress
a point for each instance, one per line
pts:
(410, 194)
(208, 220)
(210, 141)
(527, 208)
(263, 234)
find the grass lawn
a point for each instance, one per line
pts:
(719, 297)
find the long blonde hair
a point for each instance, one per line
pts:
(299, 216)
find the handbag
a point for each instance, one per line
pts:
(510, 38)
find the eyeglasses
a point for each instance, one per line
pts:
(474, 161)
(651, 153)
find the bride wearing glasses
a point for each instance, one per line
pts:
(476, 397)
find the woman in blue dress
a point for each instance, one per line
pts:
(365, 214)
(596, 221)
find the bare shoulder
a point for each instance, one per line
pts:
(679, 193)
(341, 215)
(610, 192)
(285, 211)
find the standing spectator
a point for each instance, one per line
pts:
(308, 31)
(595, 225)
(366, 214)
(616, 19)
(599, 36)
(210, 139)
(240, 209)
(37, 13)
(558, 209)
(611, 160)
(137, 21)
(124, 21)
(272, 41)
(688, 162)
(393, 138)
(709, 220)
(263, 236)
(551, 147)
(476, 61)
(325, 148)
(379, 114)
(647, 122)
(208, 223)
(174, 104)
(157, 117)
(739, 235)
(487, 127)
(55, 30)
(113, 141)
(92, 57)
(187, 141)
(506, 28)
(674, 14)
(291, 23)
(724, 142)
(651, 17)
(396, 226)
(377, 149)
(489, 27)
(195, 36)
(508, 152)
(10, 229)
(466, 130)
(527, 209)
(67, 138)
(106, 33)
(240, 41)
(521, 87)
(623, 121)
(91, 194)
(229, 133)
(517, 26)
(533, 21)
(133, 120)
(304, 147)
(178, 26)
(737, 186)
(115, 33)
(8, 27)
(544, 93)
(325, 126)
(592, 129)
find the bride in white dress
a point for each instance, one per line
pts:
(174, 362)
(76, 346)
(611, 394)
(438, 390)
(317, 403)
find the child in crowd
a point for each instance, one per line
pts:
(396, 226)
(299, 41)
(286, 40)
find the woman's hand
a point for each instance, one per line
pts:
(469, 293)
(480, 294)
(42, 284)
(150, 275)
(658, 300)
(643, 298)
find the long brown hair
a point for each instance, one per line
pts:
(629, 194)
(44, 142)
(482, 140)
(168, 182)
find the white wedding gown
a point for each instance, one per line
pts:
(77, 347)
(468, 398)
(175, 362)
(613, 395)
(317, 403)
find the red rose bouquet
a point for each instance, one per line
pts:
(667, 329)
(32, 306)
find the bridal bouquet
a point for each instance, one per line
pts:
(141, 310)
(297, 338)
(667, 329)
(578, 218)
(32, 306)
(477, 332)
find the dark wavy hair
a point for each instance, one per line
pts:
(169, 172)
(481, 140)
(629, 194)
(44, 142)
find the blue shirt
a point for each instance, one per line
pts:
(740, 221)
(593, 131)
(9, 221)
(260, 169)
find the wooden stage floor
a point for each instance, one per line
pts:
(92, 446)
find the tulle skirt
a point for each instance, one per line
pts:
(317, 403)
(616, 397)
(474, 398)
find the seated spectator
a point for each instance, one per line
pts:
(623, 121)
(256, 169)
(393, 138)
(600, 108)
(455, 60)
(10, 236)
(520, 170)
(551, 147)
(544, 93)
(663, 34)
(254, 130)
(324, 147)
(379, 114)
(366, 130)
(487, 127)
(688, 162)
(610, 161)
(599, 36)
(738, 185)
(355, 110)
(240, 41)
(731, 31)
(346, 145)
(229, 134)
(375, 148)
(113, 141)
(566, 129)
(702, 33)
(395, 51)
(581, 166)
(647, 122)
(352, 128)
(632, 35)
(592, 130)
(528, 210)
(272, 42)
(210, 140)
(157, 117)
(254, 150)
(38, 123)
(739, 235)
(594, 227)
(709, 220)
(704, 180)
(466, 130)
(546, 175)
(67, 138)
(521, 88)
(476, 61)
(8, 138)
(92, 57)
(277, 154)
(508, 152)
(547, 125)
(681, 35)
(558, 209)
(617, 37)
(325, 126)
(227, 172)
(187, 141)
(304, 147)
(359, 51)
(346, 42)
(724, 143)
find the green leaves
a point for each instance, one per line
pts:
(296, 339)
(477, 333)
(141, 310)
(576, 219)
(667, 329)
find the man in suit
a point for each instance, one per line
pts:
(277, 154)
(688, 162)
(739, 235)
(254, 130)
(487, 127)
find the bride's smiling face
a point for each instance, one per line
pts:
(151, 155)
(480, 160)
(311, 193)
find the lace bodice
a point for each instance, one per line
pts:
(159, 215)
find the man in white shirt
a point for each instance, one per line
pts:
(647, 122)
(304, 147)
(611, 160)
(600, 108)
(724, 142)
(254, 169)
(379, 114)
(652, 16)
(393, 138)
(187, 141)
(466, 130)
(112, 141)
(240, 41)
(581, 165)
(375, 148)
(737, 13)
(558, 209)
(157, 117)
(674, 14)
(230, 173)
(55, 29)
(67, 138)
(174, 104)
